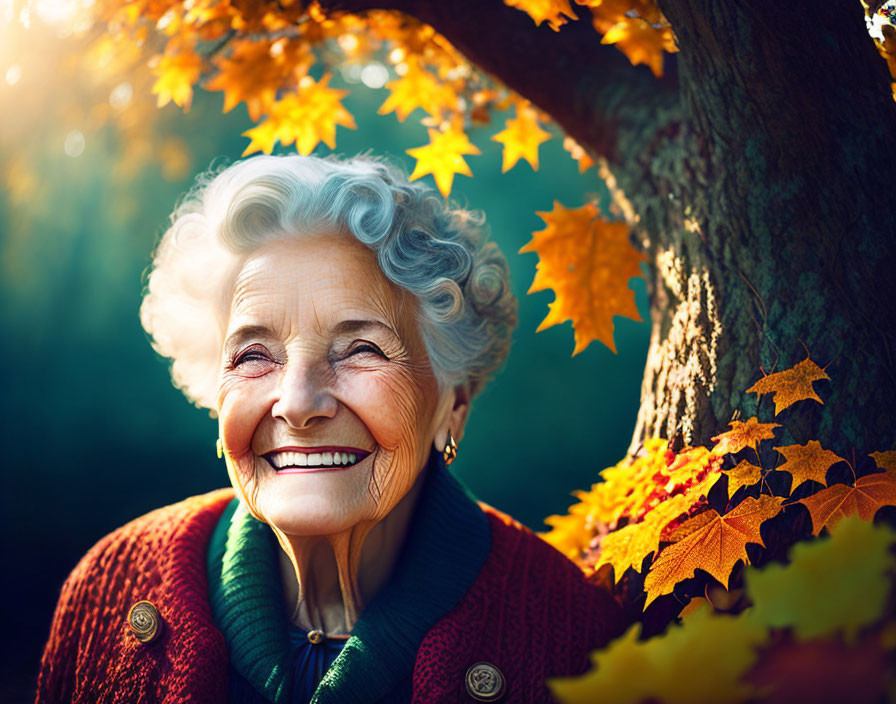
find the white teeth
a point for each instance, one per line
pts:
(280, 460)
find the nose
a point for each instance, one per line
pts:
(303, 395)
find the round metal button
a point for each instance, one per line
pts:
(144, 621)
(485, 682)
(315, 636)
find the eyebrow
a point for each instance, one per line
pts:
(353, 326)
(344, 327)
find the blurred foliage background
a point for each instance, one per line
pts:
(93, 432)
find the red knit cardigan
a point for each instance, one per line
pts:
(530, 609)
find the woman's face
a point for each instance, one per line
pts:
(322, 358)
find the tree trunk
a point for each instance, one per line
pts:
(778, 238)
(756, 175)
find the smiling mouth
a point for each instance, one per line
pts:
(294, 460)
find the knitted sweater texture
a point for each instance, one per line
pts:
(529, 611)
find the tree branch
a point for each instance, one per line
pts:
(591, 90)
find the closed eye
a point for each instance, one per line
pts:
(367, 347)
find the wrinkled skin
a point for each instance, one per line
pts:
(297, 380)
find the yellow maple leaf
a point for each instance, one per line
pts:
(641, 42)
(554, 12)
(628, 546)
(711, 542)
(418, 88)
(885, 460)
(588, 262)
(521, 139)
(701, 661)
(791, 385)
(443, 157)
(743, 434)
(807, 462)
(829, 506)
(744, 474)
(306, 118)
(175, 75)
(254, 72)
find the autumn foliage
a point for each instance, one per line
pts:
(685, 527)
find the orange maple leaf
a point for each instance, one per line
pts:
(829, 506)
(791, 385)
(743, 434)
(807, 462)
(744, 474)
(885, 460)
(418, 88)
(588, 262)
(254, 72)
(607, 13)
(443, 157)
(712, 542)
(641, 42)
(555, 12)
(175, 76)
(521, 139)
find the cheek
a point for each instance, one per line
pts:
(242, 406)
(392, 407)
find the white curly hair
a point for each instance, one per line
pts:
(441, 254)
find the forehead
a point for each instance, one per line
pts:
(315, 280)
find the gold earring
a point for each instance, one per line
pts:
(450, 451)
(220, 446)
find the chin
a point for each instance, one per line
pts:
(315, 503)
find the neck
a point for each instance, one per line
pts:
(327, 580)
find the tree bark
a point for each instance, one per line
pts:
(755, 176)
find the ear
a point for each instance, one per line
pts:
(454, 416)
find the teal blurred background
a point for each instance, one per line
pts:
(94, 434)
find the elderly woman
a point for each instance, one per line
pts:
(339, 320)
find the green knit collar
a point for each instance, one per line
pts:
(447, 543)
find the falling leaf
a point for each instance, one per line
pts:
(743, 434)
(714, 544)
(791, 385)
(833, 584)
(885, 460)
(443, 157)
(641, 42)
(554, 12)
(807, 462)
(418, 88)
(700, 661)
(175, 76)
(306, 118)
(588, 262)
(829, 506)
(744, 474)
(521, 139)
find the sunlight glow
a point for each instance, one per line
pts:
(75, 143)
(13, 74)
(374, 75)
